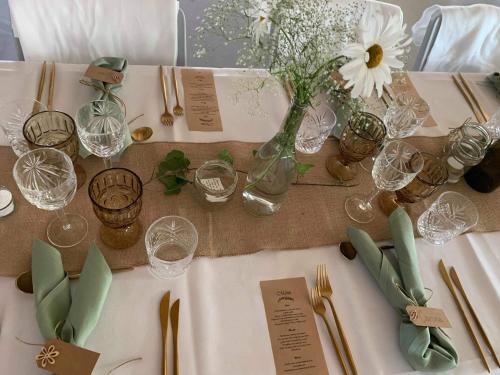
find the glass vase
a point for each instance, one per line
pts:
(273, 168)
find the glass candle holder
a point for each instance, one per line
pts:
(56, 130)
(116, 195)
(6, 202)
(215, 182)
(170, 244)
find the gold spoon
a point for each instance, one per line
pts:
(141, 134)
(24, 281)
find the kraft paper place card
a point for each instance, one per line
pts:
(200, 99)
(294, 336)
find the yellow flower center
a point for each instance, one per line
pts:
(262, 18)
(376, 53)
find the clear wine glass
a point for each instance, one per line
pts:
(396, 165)
(102, 128)
(405, 115)
(450, 215)
(47, 180)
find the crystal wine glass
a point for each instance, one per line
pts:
(102, 128)
(405, 115)
(433, 175)
(46, 178)
(450, 215)
(315, 128)
(396, 165)
(361, 137)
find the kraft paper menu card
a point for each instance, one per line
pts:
(200, 99)
(292, 328)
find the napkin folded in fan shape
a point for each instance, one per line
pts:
(117, 64)
(71, 317)
(425, 348)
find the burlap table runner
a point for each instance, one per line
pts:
(311, 216)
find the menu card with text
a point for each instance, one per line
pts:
(200, 98)
(292, 328)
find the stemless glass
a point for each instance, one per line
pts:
(433, 175)
(57, 130)
(47, 180)
(170, 243)
(116, 196)
(314, 130)
(102, 128)
(450, 215)
(361, 138)
(405, 115)
(396, 165)
(215, 182)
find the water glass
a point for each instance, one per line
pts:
(116, 196)
(405, 115)
(215, 182)
(449, 216)
(46, 178)
(396, 165)
(316, 126)
(102, 128)
(170, 244)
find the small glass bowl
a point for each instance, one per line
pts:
(170, 244)
(6, 202)
(215, 182)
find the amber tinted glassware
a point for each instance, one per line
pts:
(56, 130)
(116, 195)
(361, 138)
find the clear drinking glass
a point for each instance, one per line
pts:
(396, 165)
(47, 180)
(405, 115)
(102, 128)
(215, 181)
(316, 126)
(170, 244)
(449, 216)
(13, 115)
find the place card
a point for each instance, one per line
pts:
(294, 336)
(200, 99)
(103, 74)
(62, 358)
(427, 316)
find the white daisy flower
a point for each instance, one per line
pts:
(261, 25)
(374, 55)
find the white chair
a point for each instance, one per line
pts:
(79, 31)
(458, 39)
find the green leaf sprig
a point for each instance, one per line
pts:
(226, 156)
(172, 172)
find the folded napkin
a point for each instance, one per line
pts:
(495, 79)
(117, 64)
(71, 318)
(425, 348)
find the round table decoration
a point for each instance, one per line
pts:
(116, 196)
(56, 130)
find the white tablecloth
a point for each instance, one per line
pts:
(223, 328)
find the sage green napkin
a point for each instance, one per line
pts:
(71, 318)
(117, 64)
(495, 79)
(425, 348)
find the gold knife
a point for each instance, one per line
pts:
(174, 320)
(458, 284)
(164, 306)
(41, 83)
(52, 79)
(447, 280)
(473, 97)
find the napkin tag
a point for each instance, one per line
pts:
(427, 316)
(103, 74)
(213, 183)
(62, 358)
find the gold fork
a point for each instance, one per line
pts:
(319, 308)
(325, 291)
(166, 118)
(178, 110)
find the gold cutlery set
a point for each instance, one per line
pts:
(41, 84)
(479, 111)
(323, 290)
(167, 118)
(450, 279)
(173, 312)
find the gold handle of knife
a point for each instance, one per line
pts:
(52, 79)
(41, 83)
